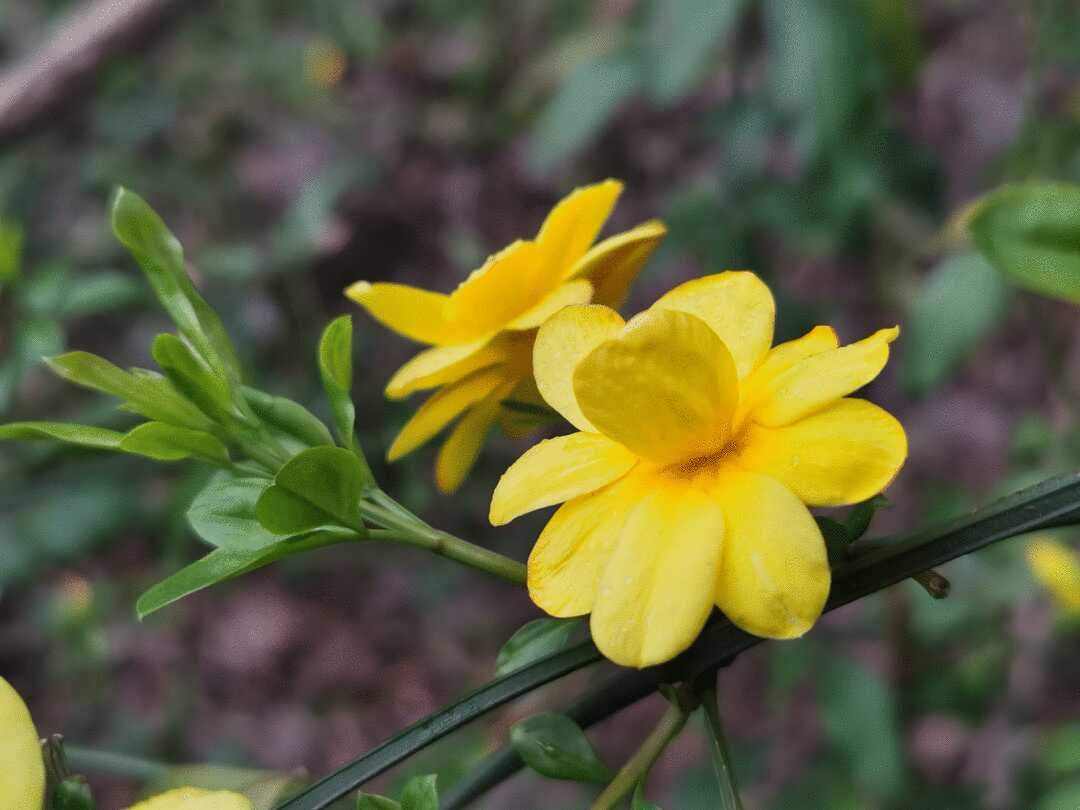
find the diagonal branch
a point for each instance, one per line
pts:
(1054, 502)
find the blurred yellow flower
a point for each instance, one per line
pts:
(324, 63)
(699, 449)
(482, 333)
(1058, 569)
(192, 798)
(22, 769)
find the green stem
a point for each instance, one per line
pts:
(414, 532)
(725, 773)
(86, 760)
(638, 765)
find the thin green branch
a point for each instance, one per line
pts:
(639, 764)
(87, 760)
(1051, 503)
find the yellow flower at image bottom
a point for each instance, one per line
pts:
(482, 333)
(22, 769)
(700, 447)
(192, 798)
(1058, 569)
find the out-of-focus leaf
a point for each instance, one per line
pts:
(161, 257)
(1062, 797)
(223, 514)
(335, 368)
(639, 801)
(679, 36)
(192, 376)
(11, 239)
(144, 392)
(1031, 233)
(163, 442)
(43, 292)
(533, 641)
(288, 417)
(82, 435)
(837, 538)
(319, 487)
(1060, 753)
(420, 793)
(103, 292)
(860, 717)
(369, 801)
(862, 514)
(581, 108)
(553, 745)
(896, 33)
(958, 304)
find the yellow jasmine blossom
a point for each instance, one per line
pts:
(193, 798)
(482, 333)
(22, 769)
(699, 449)
(1058, 569)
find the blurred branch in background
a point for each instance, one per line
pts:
(50, 75)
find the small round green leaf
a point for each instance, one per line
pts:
(553, 745)
(420, 793)
(318, 487)
(533, 641)
(223, 514)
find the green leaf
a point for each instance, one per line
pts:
(837, 538)
(958, 304)
(534, 640)
(420, 793)
(553, 745)
(1062, 797)
(581, 108)
(679, 38)
(103, 292)
(289, 418)
(335, 368)
(11, 240)
(163, 442)
(862, 514)
(193, 377)
(1059, 754)
(369, 801)
(82, 435)
(144, 392)
(639, 801)
(223, 514)
(161, 257)
(319, 487)
(1031, 233)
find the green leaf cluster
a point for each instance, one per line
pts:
(419, 793)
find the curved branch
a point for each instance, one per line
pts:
(885, 562)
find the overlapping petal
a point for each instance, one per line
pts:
(814, 382)
(441, 408)
(842, 454)
(737, 305)
(659, 585)
(510, 282)
(22, 770)
(570, 555)
(579, 291)
(665, 387)
(575, 221)
(778, 360)
(774, 576)
(562, 342)
(445, 364)
(612, 265)
(459, 452)
(557, 470)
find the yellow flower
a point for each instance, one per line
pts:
(192, 798)
(22, 769)
(699, 449)
(1058, 569)
(482, 333)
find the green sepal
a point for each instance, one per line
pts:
(837, 539)
(553, 745)
(861, 515)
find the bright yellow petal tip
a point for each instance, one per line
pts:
(193, 798)
(1058, 569)
(22, 769)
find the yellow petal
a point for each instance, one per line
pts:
(573, 292)
(511, 282)
(613, 264)
(774, 578)
(778, 360)
(843, 454)
(442, 407)
(737, 305)
(22, 770)
(445, 364)
(569, 557)
(814, 382)
(575, 221)
(658, 588)
(1058, 569)
(562, 342)
(193, 798)
(665, 387)
(459, 452)
(557, 470)
(417, 314)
